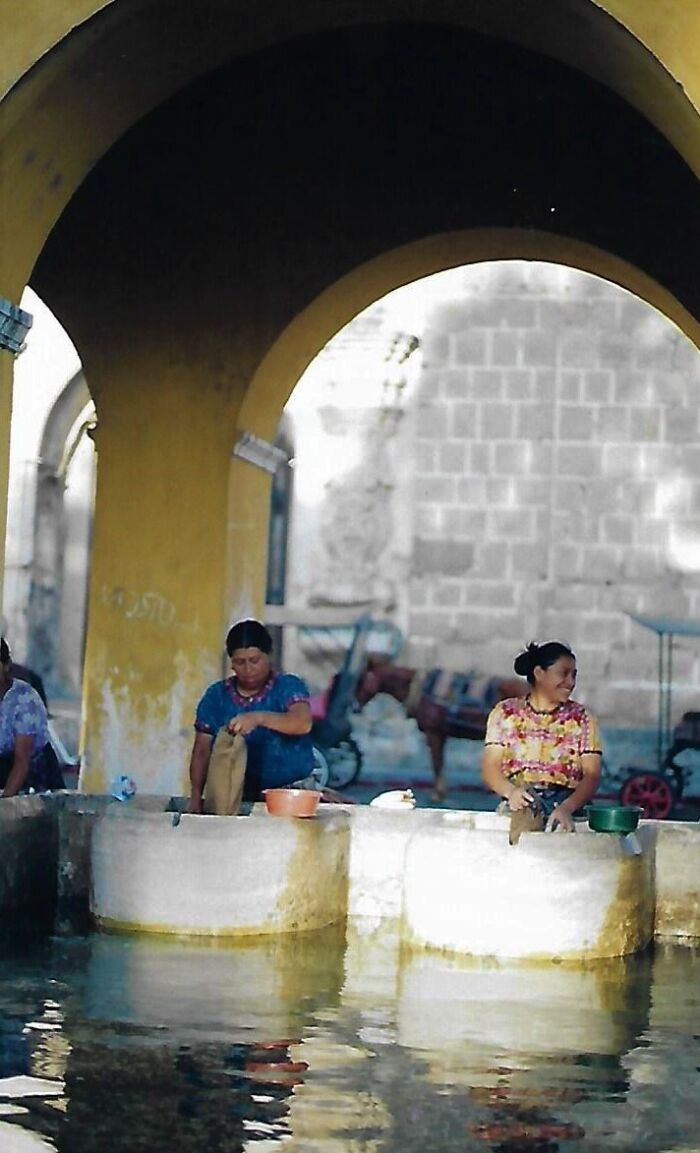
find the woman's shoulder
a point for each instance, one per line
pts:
(21, 690)
(576, 709)
(24, 703)
(215, 690)
(511, 706)
(290, 682)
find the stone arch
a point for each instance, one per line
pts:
(71, 71)
(311, 329)
(664, 584)
(303, 338)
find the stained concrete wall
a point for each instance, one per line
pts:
(450, 880)
(28, 855)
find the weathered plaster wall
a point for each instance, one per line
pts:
(450, 881)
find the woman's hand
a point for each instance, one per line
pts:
(244, 723)
(560, 818)
(518, 799)
(296, 721)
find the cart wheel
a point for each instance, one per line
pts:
(344, 763)
(320, 772)
(652, 792)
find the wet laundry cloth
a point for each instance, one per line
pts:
(533, 819)
(223, 791)
(528, 820)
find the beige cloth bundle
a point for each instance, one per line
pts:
(525, 821)
(223, 791)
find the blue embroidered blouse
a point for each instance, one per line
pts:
(274, 759)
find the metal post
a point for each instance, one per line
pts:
(669, 691)
(663, 736)
(660, 721)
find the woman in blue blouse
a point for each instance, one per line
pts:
(269, 709)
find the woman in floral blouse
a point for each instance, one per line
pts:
(27, 759)
(543, 752)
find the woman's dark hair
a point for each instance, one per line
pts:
(540, 656)
(248, 634)
(5, 655)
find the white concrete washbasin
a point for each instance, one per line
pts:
(219, 876)
(570, 896)
(442, 881)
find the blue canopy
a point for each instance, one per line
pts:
(668, 626)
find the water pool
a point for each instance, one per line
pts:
(341, 1044)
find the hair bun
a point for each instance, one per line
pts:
(525, 661)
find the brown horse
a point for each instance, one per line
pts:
(444, 704)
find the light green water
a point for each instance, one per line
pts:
(123, 1044)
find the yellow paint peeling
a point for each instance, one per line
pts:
(330, 870)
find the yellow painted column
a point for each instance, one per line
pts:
(156, 619)
(247, 539)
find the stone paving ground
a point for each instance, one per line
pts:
(395, 756)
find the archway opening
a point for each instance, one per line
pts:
(495, 453)
(50, 509)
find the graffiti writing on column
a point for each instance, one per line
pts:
(147, 606)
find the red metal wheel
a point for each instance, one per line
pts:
(651, 792)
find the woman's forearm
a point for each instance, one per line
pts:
(199, 764)
(496, 780)
(580, 796)
(291, 724)
(584, 791)
(295, 722)
(19, 771)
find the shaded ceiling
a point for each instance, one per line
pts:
(262, 183)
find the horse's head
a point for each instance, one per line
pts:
(512, 687)
(370, 682)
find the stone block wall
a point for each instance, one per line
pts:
(556, 482)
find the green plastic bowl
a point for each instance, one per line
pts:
(613, 818)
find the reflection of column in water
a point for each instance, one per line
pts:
(338, 1108)
(214, 1037)
(332, 1116)
(143, 1092)
(371, 962)
(447, 1004)
(212, 983)
(663, 1073)
(531, 1044)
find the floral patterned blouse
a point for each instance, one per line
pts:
(543, 748)
(22, 714)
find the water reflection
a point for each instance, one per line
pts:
(331, 1047)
